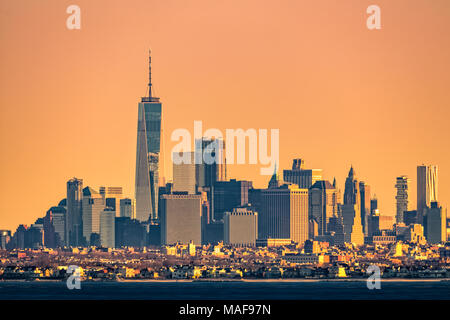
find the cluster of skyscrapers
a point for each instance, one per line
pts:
(202, 206)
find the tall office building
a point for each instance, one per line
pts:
(300, 176)
(112, 197)
(228, 195)
(351, 192)
(148, 155)
(181, 218)
(364, 191)
(373, 204)
(54, 227)
(436, 217)
(127, 208)
(241, 227)
(323, 204)
(351, 210)
(401, 198)
(185, 174)
(427, 188)
(93, 204)
(283, 213)
(211, 162)
(74, 221)
(107, 228)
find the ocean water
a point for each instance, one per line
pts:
(253, 290)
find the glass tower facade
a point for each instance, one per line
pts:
(147, 158)
(147, 155)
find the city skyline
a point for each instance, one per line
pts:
(66, 137)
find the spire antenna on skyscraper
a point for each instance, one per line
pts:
(149, 73)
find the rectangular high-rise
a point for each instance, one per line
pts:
(283, 213)
(241, 227)
(228, 195)
(210, 160)
(185, 173)
(323, 204)
(147, 155)
(436, 217)
(127, 208)
(74, 222)
(364, 192)
(93, 205)
(181, 218)
(427, 188)
(401, 198)
(107, 228)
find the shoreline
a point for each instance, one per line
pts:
(231, 280)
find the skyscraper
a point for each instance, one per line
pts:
(351, 211)
(401, 198)
(74, 222)
(322, 204)
(283, 213)
(54, 227)
(436, 217)
(300, 176)
(93, 205)
(228, 195)
(210, 161)
(112, 197)
(127, 208)
(427, 188)
(107, 227)
(185, 174)
(364, 191)
(181, 218)
(147, 155)
(241, 227)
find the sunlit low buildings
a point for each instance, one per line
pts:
(241, 227)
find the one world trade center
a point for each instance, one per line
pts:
(147, 155)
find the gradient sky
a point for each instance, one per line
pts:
(339, 93)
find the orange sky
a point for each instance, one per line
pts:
(339, 93)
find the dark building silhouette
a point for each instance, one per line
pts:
(410, 217)
(228, 195)
(129, 233)
(300, 176)
(74, 221)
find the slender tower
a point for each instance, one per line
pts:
(147, 154)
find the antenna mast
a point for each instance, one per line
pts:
(149, 73)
